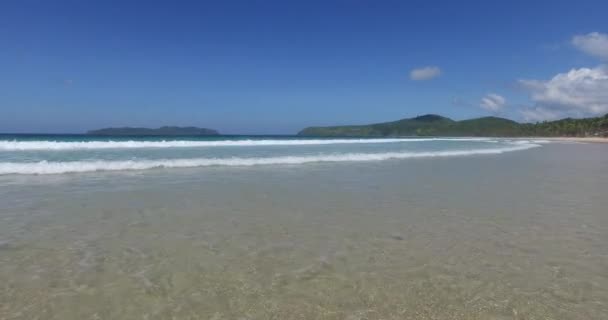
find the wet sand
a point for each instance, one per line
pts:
(581, 139)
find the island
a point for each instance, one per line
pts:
(162, 131)
(436, 125)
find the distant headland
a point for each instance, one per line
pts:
(162, 131)
(436, 125)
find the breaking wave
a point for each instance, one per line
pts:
(132, 144)
(46, 167)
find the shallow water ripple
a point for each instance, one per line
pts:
(518, 236)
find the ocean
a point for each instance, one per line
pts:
(267, 227)
(73, 153)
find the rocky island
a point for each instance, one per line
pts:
(162, 131)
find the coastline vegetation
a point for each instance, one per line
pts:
(436, 125)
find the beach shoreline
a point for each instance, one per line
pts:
(579, 139)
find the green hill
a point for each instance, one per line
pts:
(435, 125)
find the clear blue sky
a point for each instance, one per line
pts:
(277, 66)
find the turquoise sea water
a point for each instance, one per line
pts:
(35, 154)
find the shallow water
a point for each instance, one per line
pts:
(519, 235)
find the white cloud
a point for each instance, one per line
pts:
(493, 102)
(578, 93)
(536, 114)
(594, 43)
(425, 73)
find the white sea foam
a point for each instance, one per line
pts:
(523, 141)
(45, 167)
(13, 145)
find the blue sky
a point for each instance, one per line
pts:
(277, 66)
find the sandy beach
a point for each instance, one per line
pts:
(580, 139)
